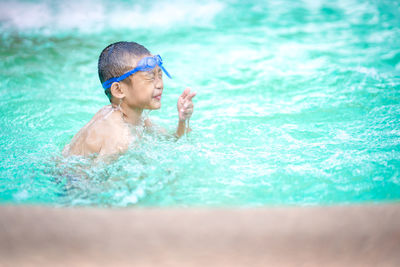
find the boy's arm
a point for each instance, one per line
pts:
(182, 129)
(150, 126)
(185, 111)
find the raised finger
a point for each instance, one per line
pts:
(185, 93)
(190, 96)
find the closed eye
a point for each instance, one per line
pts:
(159, 73)
(150, 75)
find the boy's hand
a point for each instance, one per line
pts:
(185, 105)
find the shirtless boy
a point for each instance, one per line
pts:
(132, 79)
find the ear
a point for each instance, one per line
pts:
(116, 90)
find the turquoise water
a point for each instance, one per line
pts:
(298, 102)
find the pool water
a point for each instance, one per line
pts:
(298, 102)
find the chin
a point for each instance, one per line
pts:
(155, 106)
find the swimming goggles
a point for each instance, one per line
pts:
(145, 64)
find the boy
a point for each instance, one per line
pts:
(132, 79)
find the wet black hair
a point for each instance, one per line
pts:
(114, 60)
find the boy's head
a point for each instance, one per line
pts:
(116, 59)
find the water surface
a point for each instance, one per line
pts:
(298, 103)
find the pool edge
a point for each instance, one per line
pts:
(350, 235)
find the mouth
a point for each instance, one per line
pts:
(158, 97)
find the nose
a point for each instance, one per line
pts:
(159, 84)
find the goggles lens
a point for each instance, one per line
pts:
(147, 63)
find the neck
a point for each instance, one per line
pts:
(131, 116)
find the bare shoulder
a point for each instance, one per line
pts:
(104, 131)
(115, 134)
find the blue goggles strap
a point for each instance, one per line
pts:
(145, 64)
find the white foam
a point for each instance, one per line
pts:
(90, 15)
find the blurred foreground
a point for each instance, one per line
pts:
(366, 235)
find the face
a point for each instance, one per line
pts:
(143, 89)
